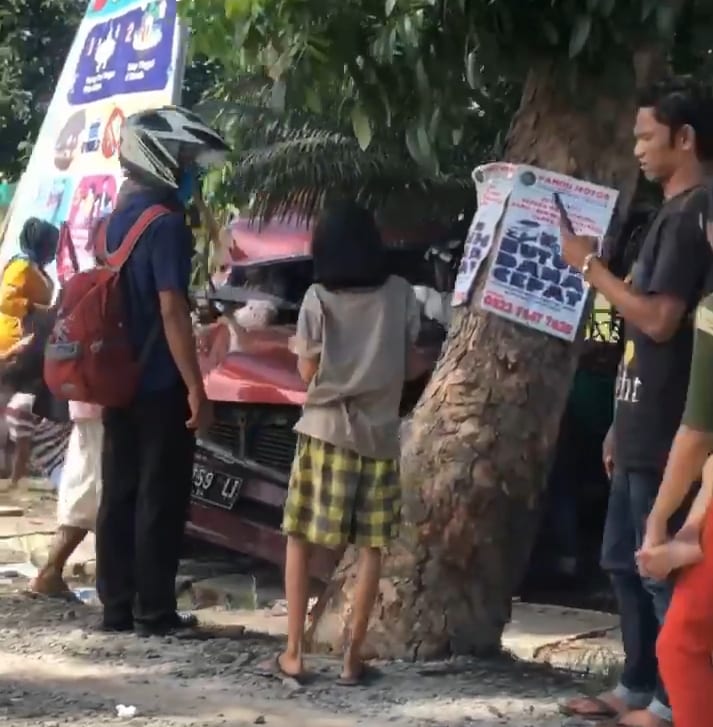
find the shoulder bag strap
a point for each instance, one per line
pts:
(67, 243)
(117, 259)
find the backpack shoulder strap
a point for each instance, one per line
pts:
(117, 259)
(67, 243)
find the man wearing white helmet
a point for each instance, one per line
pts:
(148, 446)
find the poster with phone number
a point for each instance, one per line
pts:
(493, 183)
(127, 55)
(528, 282)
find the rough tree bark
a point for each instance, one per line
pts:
(483, 432)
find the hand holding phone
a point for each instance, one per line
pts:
(563, 213)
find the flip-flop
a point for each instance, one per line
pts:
(273, 670)
(601, 710)
(367, 676)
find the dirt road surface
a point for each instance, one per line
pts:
(55, 668)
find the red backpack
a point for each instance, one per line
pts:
(89, 356)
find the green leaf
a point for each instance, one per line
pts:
(435, 123)
(580, 35)
(419, 146)
(236, 8)
(551, 32)
(472, 71)
(666, 20)
(606, 7)
(276, 70)
(387, 105)
(313, 101)
(278, 95)
(648, 7)
(362, 127)
(424, 87)
(389, 7)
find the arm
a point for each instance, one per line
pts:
(694, 521)
(417, 364)
(307, 342)
(675, 280)
(307, 368)
(176, 320)
(656, 315)
(694, 440)
(171, 247)
(17, 348)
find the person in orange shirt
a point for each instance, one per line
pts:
(25, 287)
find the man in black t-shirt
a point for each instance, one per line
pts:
(674, 138)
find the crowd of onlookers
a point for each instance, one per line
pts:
(125, 471)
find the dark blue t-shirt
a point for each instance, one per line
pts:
(161, 261)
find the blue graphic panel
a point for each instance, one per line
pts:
(130, 53)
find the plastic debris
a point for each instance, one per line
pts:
(124, 711)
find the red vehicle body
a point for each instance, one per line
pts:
(242, 464)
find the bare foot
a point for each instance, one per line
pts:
(290, 666)
(660, 561)
(48, 585)
(605, 705)
(641, 718)
(353, 666)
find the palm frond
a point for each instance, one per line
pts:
(289, 164)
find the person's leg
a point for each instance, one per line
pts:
(638, 622)
(318, 510)
(375, 519)
(166, 449)
(297, 593)
(49, 580)
(20, 460)
(20, 411)
(367, 588)
(685, 644)
(643, 490)
(115, 521)
(77, 503)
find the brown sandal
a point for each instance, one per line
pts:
(588, 707)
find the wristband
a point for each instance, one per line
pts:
(588, 260)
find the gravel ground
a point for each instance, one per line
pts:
(56, 669)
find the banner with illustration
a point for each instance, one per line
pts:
(528, 282)
(493, 183)
(127, 55)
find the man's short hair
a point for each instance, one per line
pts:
(681, 101)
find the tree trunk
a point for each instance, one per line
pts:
(475, 465)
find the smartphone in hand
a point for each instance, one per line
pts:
(563, 213)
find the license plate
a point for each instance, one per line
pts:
(215, 488)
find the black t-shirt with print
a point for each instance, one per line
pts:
(675, 259)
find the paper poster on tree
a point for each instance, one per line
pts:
(528, 282)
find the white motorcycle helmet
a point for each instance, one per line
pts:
(156, 145)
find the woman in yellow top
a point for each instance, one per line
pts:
(25, 287)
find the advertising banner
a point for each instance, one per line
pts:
(127, 55)
(528, 282)
(493, 183)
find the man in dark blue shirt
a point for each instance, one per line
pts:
(149, 445)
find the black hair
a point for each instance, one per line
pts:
(681, 101)
(347, 249)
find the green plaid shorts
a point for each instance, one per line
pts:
(337, 497)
